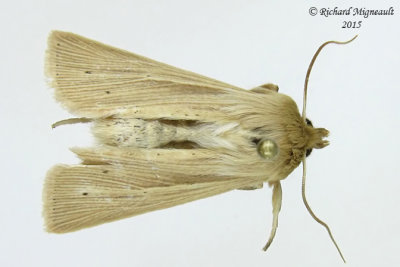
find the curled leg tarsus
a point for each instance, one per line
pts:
(276, 207)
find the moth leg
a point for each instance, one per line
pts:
(276, 207)
(252, 187)
(71, 121)
(265, 88)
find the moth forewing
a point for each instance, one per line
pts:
(84, 196)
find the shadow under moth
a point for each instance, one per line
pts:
(165, 136)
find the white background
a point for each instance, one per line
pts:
(354, 92)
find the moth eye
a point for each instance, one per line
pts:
(309, 122)
(267, 148)
(308, 151)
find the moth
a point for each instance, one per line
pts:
(166, 136)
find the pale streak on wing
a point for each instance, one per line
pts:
(96, 80)
(174, 166)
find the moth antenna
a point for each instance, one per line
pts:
(71, 121)
(303, 193)
(310, 67)
(303, 184)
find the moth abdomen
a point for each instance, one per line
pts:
(132, 132)
(140, 133)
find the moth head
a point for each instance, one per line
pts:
(316, 137)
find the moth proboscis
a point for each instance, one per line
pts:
(165, 136)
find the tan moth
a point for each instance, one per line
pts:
(165, 136)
